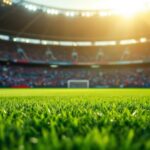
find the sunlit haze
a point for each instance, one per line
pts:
(122, 5)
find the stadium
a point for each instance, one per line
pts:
(75, 74)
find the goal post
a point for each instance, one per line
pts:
(78, 84)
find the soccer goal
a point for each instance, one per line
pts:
(78, 84)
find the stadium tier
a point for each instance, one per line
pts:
(10, 51)
(26, 65)
(35, 76)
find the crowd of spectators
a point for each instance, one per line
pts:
(22, 76)
(28, 52)
(26, 76)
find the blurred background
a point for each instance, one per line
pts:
(75, 43)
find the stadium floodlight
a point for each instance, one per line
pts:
(4, 37)
(74, 43)
(105, 43)
(27, 41)
(31, 7)
(128, 42)
(55, 12)
(95, 66)
(85, 43)
(70, 14)
(48, 11)
(44, 42)
(7, 2)
(55, 43)
(54, 66)
(143, 40)
(66, 43)
(103, 13)
(86, 14)
(52, 11)
(78, 83)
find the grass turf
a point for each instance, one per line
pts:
(75, 119)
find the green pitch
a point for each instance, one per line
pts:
(50, 119)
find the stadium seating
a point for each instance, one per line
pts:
(84, 54)
(36, 76)
(30, 76)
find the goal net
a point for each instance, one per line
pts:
(78, 83)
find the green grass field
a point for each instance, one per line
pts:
(78, 119)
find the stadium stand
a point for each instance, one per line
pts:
(35, 76)
(30, 52)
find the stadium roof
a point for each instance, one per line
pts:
(43, 25)
(93, 4)
(70, 4)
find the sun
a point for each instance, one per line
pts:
(127, 8)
